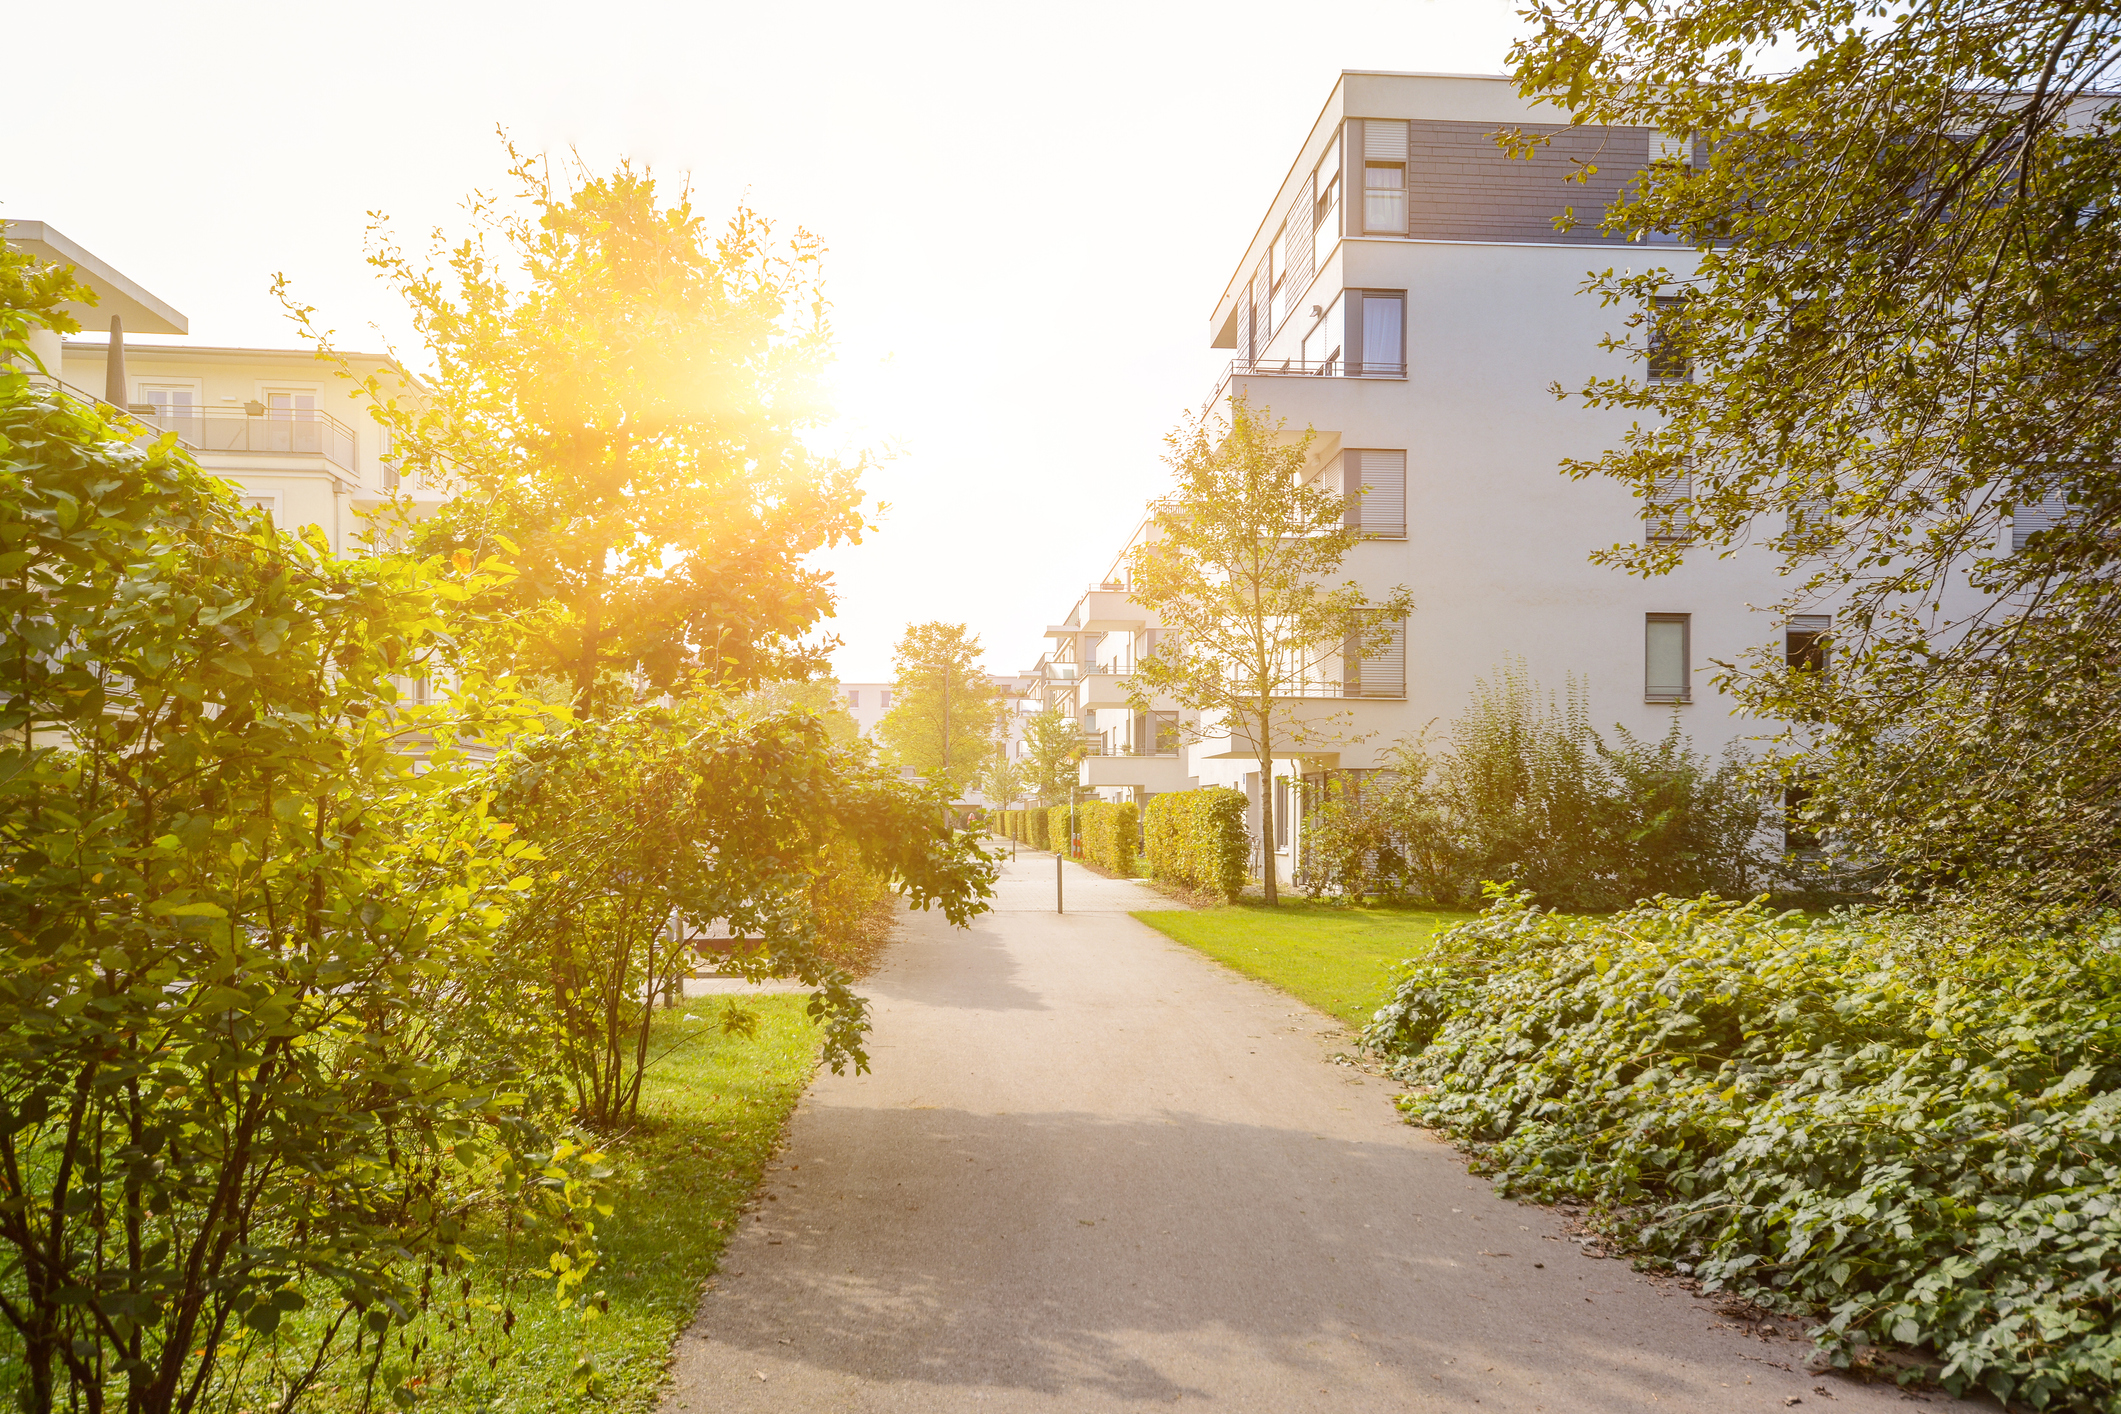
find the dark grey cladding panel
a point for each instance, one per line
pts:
(1463, 187)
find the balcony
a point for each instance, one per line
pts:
(299, 432)
(1306, 368)
(1151, 773)
(1103, 688)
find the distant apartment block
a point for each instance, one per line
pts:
(279, 424)
(1408, 297)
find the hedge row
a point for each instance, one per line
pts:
(1024, 826)
(1109, 834)
(1197, 838)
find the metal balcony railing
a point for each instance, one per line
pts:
(1304, 368)
(268, 432)
(1370, 687)
(1093, 747)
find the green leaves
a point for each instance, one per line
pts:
(1913, 1135)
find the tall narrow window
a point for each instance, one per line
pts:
(1322, 344)
(1375, 483)
(883, 699)
(1667, 515)
(1667, 672)
(1325, 206)
(1384, 349)
(1670, 361)
(1384, 177)
(1281, 814)
(1804, 642)
(854, 702)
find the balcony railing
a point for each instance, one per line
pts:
(1304, 368)
(1371, 687)
(1093, 747)
(274, 431)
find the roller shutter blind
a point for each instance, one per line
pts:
(2045, 514)
(1384, 673)
(1376, 486)
(1666, 517)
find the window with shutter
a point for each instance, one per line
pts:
(1667, 672)
(1667, 515)
(1380, 672)
(1668, 358)
(1384, 177)
(1376, 486)
(2044, 514)
(1804, 642)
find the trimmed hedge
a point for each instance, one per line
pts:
(1034, 825)
(1197, 838)
(1057, 830)
(1109, 832)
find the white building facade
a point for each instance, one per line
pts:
(1408, 298)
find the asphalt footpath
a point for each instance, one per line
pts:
(1093, 1170)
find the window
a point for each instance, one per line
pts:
(1325, 206)
(1281, 814)
(883, 699)
(266, 501)
(854, 701)
(1668, 359)
(1377, 331)
(1380, 672)
(1384, 177)
(1278, 291)
(1667, 672)
(2043, 514)
(1322, 344)
(1375, 483)
(1804, 642)
(1667, 517)
(170, 399)
(1797, 832)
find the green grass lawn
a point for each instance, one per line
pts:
(712, 1112)
(1338, 959)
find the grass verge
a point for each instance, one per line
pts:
(712, 1113)
(1338, 959)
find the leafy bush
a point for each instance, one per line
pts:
(1529, 791)
(1035, 829)
(1197, 838)
(1109, 833)
(1915, 1137)
(1060, 829)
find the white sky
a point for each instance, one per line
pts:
(1030, 212)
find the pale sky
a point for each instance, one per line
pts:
(1030, 213)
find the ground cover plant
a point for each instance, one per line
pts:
(1910, 1132)
(1336, 958)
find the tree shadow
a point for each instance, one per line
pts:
(972, 970)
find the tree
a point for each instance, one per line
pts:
(1235, 572)
(816, 696)
(1053, 744)
(1898, 314)
(1001, 780)
(945, 712)
(238, 1074)
(698, 815)
(619, 401)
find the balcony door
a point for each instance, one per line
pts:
(292, 423)
(1376, 333)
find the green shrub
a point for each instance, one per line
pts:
(1197, 838)
(1035, 829)
(1526, 789)
(1109, 833)
(1060, 829)
(1915, 1137)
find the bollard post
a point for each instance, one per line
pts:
(1057, 885)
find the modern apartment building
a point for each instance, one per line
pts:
(1408, 297)
(278, 423)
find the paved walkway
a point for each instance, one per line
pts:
(1094, 1171)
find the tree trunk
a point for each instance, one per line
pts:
(1269, 884)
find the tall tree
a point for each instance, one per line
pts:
(619, 398)
(1891, 354)
(945, 712)
(1235, 571)
(1053, 744)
